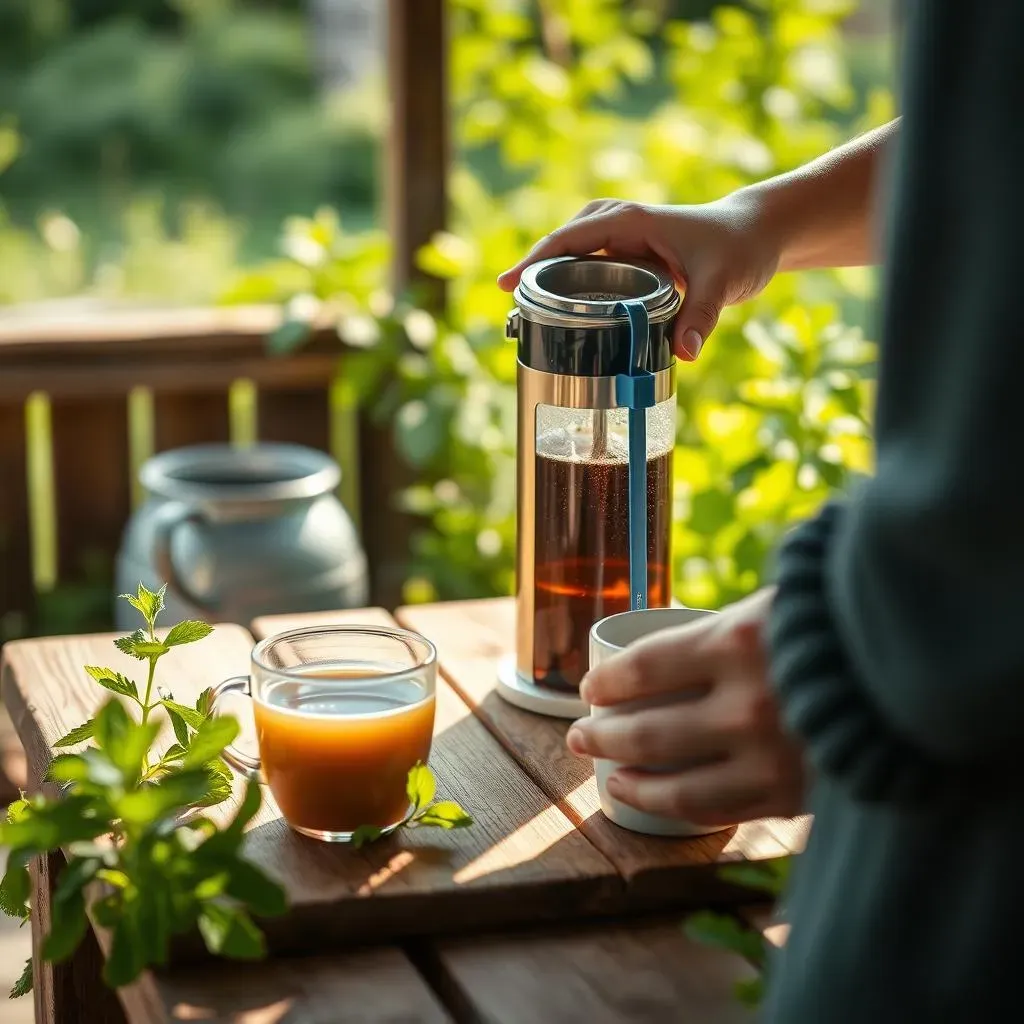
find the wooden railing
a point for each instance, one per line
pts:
(100, 391)
(85, 398)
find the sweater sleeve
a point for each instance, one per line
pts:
(898, 628)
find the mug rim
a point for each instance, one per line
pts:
(683, 616)
(429, 660)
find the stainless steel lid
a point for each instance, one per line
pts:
(572, 291)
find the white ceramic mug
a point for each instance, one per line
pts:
(607, 638)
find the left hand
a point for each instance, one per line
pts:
(742, 765)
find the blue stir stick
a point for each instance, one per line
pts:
(635, 390)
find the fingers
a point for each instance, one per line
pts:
(674, 660)
(702, 306)
(668, 735)
(712, 795)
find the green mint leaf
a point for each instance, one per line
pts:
(67, 928)
(229, 931)
(249, 885)
(15, 888)
(189, 716)
(91, 766)
(66, 768)
(107, 911)
(218, 782)
(750, 991)
(138, 645)
(75, 876)
(152, 906)
(113, 724)
(113, 681)
(175, 752)
(118, 879)
(725, 932)
(444, 814)
(23, 985)
(51, 824)
(146, 603)
(173, 793)
(252, 800)
(187, 632)
(366, 834)
(204, 702)
(210, 740)
(420, 786)
(124, 741)
(125, 961)
(180, 728)
(764, 877)
(84, 732)
(16, 810)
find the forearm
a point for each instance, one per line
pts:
(822, 214)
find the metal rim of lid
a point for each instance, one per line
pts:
(540, 304)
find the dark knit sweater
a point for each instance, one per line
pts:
(897, 634)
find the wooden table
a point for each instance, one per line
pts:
(541, 912)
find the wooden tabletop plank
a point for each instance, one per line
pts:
(471, 637)
(616, 974)
(377, 986)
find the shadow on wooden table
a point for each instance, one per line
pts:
(522, 861)
(658, 870)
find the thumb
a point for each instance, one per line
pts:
(697, 317)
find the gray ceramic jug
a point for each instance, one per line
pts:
(238, 533)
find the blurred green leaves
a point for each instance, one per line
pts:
(554, 105)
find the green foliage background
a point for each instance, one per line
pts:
(556, 102)
(604, 98)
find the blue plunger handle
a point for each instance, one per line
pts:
(636, 392)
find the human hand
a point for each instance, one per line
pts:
(719, 253)
(740, 764)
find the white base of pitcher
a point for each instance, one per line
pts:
(513, 688)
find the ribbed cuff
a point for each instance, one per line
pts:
(821, 700)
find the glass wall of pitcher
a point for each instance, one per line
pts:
(581, 569)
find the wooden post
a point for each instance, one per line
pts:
(417, 209)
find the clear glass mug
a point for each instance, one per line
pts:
(342, 714)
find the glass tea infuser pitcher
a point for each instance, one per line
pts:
(596, 432)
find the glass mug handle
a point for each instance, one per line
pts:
(248, 765)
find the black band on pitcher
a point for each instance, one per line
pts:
(590, 351)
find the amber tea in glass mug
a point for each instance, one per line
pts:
(342, 714)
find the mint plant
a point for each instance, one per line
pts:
(142, 860)
(727, 932)
(424, 810)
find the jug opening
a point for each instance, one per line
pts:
(221, 473)
(231, 476)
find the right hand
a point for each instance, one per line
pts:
(718, 253)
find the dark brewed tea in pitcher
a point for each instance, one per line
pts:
(595, 393)
(582, 555)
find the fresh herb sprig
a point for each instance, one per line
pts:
(711, 928)
(424, 810)
(148, 869)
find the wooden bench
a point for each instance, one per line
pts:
(542, 912)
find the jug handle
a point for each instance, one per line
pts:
(169, 519)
